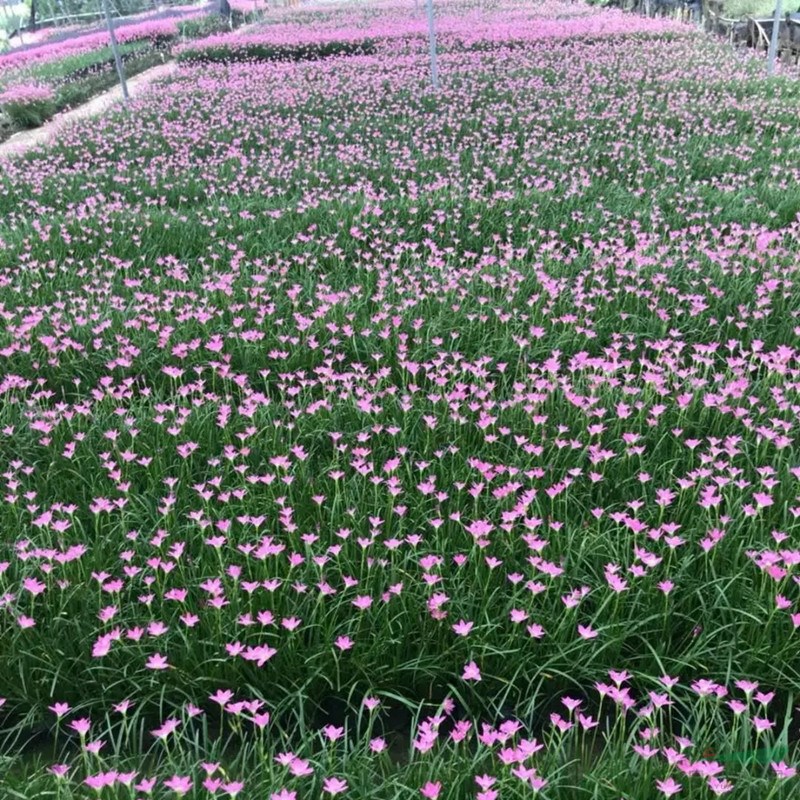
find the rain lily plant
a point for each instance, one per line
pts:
(364, 440)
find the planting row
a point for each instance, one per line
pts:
(230, 745)
(356, 31)
(320, 385)
(38, 82)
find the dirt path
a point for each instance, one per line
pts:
(23, 141)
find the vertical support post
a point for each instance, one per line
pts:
(115, 49)
(432, 42)
(773, 42)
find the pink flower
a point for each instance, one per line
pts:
(587, 631)
(123, 706)
(535, 631)
(34, 586)
(783, 770)
(179, 784)
(146, 785)
(332, 732)
(737, 706)
(431, 790)
(761, 724)
(719, 786)
(100, 780)
(537, 782)
(669, 787)
(59, 709)
(300, 768)
(762, 499)
(334, 786)
(170, 726)
(81, 726)
(157, 661)
(471, 672)
(764, 239)
(221, 696)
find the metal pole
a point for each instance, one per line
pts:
(432, 41)
(115, 48)
(773, 42)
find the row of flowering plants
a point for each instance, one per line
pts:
(227, 745)
(360, 438)
(153, 31)
(389, 27)
(227, 48)
(30, 97)
(38, 82)
(28, 104)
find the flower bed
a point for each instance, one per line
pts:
(332, 35)
(28, 104)
(156, 31)
(79, 67)
(367, 440)
(233, 47)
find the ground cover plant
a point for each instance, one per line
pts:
(359, 439)
(156, 31)
(71, 70)
(348, 30)
(71, 81)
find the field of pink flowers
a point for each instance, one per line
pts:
(46, 52)
(468, 26)
(39, 80)
(364, 440)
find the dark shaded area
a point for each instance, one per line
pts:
(279, 52)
